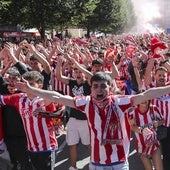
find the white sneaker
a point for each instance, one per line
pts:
(72, 168)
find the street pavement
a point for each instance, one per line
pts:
(62, 162)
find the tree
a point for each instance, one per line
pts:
(130, 15)
(101, 17)
(105, 15)
(121, 19)
(110, 16)
(45, 14)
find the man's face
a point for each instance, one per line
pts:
(96, 68)
(35, 65)
(100, 89)
(160, 78)
(78, 75)
(144, 106)
(12, 79)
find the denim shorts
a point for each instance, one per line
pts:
(114, 166)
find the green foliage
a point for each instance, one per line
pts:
(130, 14)
(3, 8)
(121, 19)
(108, 16)
(105, 15)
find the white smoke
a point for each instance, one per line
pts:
(146, 11)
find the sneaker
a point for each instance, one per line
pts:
(72, 168)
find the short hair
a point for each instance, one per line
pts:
(97, 61)
(161, 69)
(34, 76)
(32, 58)
(101, 76)
(14, 72)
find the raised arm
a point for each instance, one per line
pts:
(149, 69)
(137, 74)
(87, 73)
(40, 57)
(59, 72)
(114, 72)
(53, 96)
(152, 93)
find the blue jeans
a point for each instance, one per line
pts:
(121, 166)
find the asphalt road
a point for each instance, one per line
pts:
(83, 157)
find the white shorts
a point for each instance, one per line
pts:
(76, 130)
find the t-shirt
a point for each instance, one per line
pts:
(78, 90)
(39, 130)
(107, 153)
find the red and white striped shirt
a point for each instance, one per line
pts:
(58, 85)
(146, 145)
(163, 104)
(107, 153)
(39, 130)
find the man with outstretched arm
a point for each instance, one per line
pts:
(108, 123)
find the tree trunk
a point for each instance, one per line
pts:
(88, 33)
(42, 32)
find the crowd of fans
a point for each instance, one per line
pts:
(135, 62)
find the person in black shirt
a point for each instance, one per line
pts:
(77, 127)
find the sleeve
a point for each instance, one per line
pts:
(22, 68)
(3, 85)
(12, 100)
(81, 102)
(51, 111)
(51, 107)
(71, 82)
(124, 101)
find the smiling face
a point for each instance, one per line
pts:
(160, 78)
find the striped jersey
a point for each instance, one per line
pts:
(118, 128)
(163, 104)
(58, 85)
(39, 130)
(146, 144)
